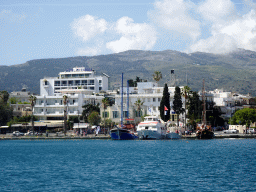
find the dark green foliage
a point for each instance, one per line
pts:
(177, 103)
(4, 96)
(94, 118)
(165, 102)
(213, 114)
(88, 108)
(5, 109)
(195, 107)
(244, 116)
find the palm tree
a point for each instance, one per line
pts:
(138, 104)
(105, 104)
(65, 101)
(157, 76)
(32, 100)
(185, 94)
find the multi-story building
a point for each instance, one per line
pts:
(150, 96)
(81, 87)
(21, 104)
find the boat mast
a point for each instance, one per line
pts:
(204, 106)
(128, 99)
(122, 101)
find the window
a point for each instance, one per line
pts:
(84, 82)
(46, 83)
(91, 82)
(138, 113)
(100, 88)
(115, 114)
(154, 99)
(57, 83)
(148, 99)
(70, 83)
(64, 82)
(159, 99)
(100, 81)
(105, 114)
(77, 82)
(125, 114)
(92, 88)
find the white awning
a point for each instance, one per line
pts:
(81, 125)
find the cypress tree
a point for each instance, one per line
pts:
(165, 102)
(177, 103)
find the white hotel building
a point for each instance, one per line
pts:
(79, 84)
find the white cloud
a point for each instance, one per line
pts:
(230, 35)
(88, 27)
(12, 17)
(175, 15)
(133, 36)
(216, 10)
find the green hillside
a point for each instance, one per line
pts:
(232, 72)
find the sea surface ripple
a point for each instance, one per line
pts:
(106, 165)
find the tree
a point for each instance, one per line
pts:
(185, 94)
(245, 116)
(157, 76)
(177, 103)
(5, 108)
(138, 104)
(32, 100)
(105, 104)
(213, 114)
(88, 108)
(94, 118)
(4, 96)
(165, 103)
(65, 102)
(194, 109)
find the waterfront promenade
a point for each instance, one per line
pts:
(218, 135)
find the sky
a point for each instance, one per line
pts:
(40, 29)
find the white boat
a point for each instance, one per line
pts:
(173, 133)
(151, 128)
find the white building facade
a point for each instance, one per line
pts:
(148, 93)
(81, 87)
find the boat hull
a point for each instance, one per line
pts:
(205, 134)
(173, 135)
(122, 135)
(148, 134)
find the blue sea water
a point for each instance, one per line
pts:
(106, 165)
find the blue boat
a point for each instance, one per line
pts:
(122, 134)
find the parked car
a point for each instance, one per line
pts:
(230, 131)
(252, 131)
(17, 133)
(29, 133)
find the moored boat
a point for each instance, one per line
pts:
(151, 128)
(204, 133)
(172, 133)
(122, 134)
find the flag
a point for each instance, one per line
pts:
(165, 108)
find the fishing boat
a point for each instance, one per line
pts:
(151, 128)
(122, 134)
(172, 133)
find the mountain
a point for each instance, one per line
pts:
(234, 71)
